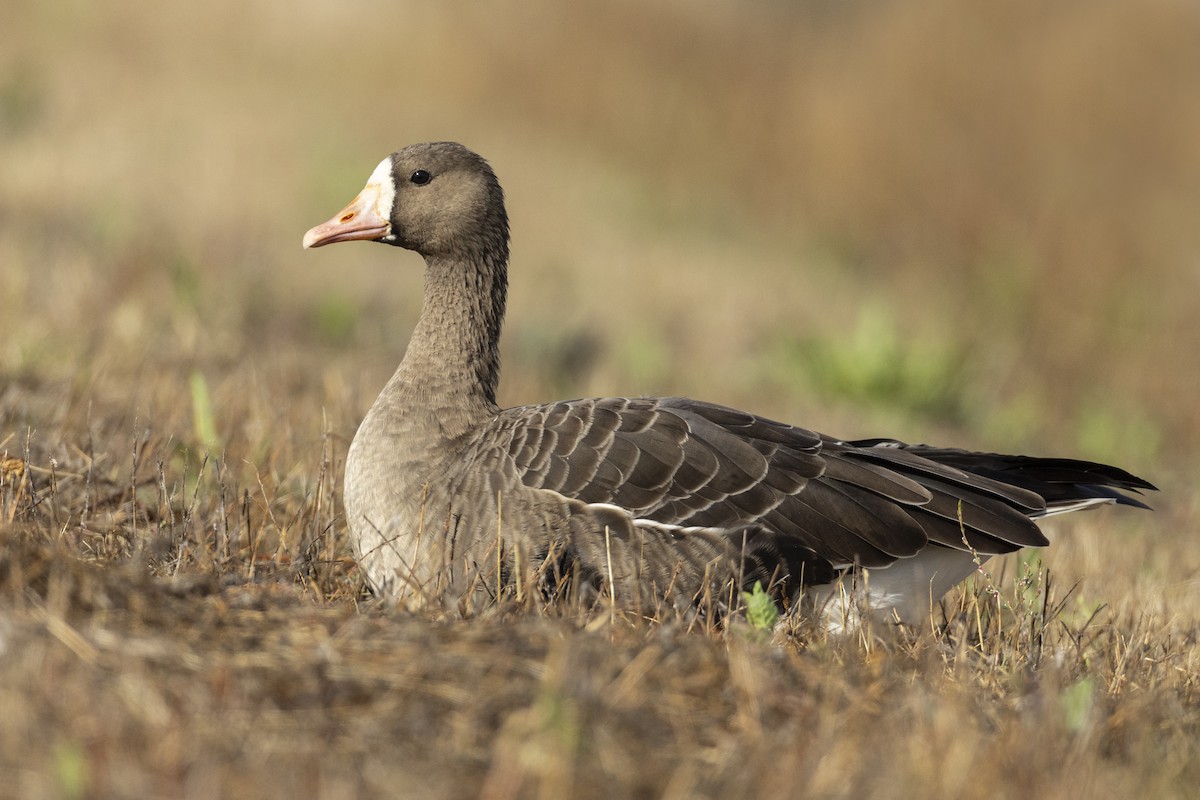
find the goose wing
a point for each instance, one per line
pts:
(676, 461)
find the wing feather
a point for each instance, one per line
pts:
(685, 465)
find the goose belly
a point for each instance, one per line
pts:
(905, 591)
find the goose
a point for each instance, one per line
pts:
(450, 499)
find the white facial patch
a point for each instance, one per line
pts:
(384, 189)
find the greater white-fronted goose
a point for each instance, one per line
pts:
(448, 497)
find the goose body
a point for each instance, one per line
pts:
(449, 498)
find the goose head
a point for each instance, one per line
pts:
(439, 199)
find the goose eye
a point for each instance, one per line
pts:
(420, 177)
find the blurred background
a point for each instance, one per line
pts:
(962, 222)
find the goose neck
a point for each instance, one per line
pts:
(455, 349)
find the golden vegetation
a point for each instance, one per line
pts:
(963, 222)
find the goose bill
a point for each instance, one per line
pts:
(361, 220)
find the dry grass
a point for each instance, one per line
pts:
(815, 197)
(183, 646)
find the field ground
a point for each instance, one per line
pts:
(956, 222)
